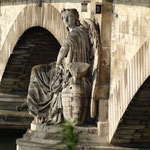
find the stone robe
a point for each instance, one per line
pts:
(47, 82)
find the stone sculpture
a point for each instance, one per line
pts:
(64, 87)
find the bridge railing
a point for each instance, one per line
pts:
(136, 72)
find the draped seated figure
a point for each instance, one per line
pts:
(62, 89)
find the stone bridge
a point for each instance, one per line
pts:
(31, 33)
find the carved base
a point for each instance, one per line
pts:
(41, 137)
(103, 132)
(23, 144)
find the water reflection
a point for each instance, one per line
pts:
(8, 138)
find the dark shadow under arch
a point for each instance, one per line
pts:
(35, 46)
(134, 127)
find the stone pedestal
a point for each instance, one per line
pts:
(41, 137)
(103, 123)
(103, 131)
(23, 144)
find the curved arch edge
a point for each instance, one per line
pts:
(47, 17)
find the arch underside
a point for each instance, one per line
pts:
(36, 46)
(134, 127)
(47, 17)
(134, 75)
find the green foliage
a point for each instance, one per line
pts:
(70, 137)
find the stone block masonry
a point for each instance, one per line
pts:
(129, 55)
(36, 46)
(21, 17)
(134, 126)
(130, 29)
(125, 42)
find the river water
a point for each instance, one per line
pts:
(8, 138)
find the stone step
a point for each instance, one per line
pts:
(40, 132)
(87, 129)
(42, 137)
(23, 144)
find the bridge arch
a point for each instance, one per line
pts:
(135, 122)
(136, 72)
(47, 17)
(36, 46)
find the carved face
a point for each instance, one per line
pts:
(69, 19)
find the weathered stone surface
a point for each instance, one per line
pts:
(135, 122)
(103, 132)
(26, 145)
(129, 31)
(62, 90)
(125, 131)
(129, 68)
(23, 17)
(44, 137)
(27, 53)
